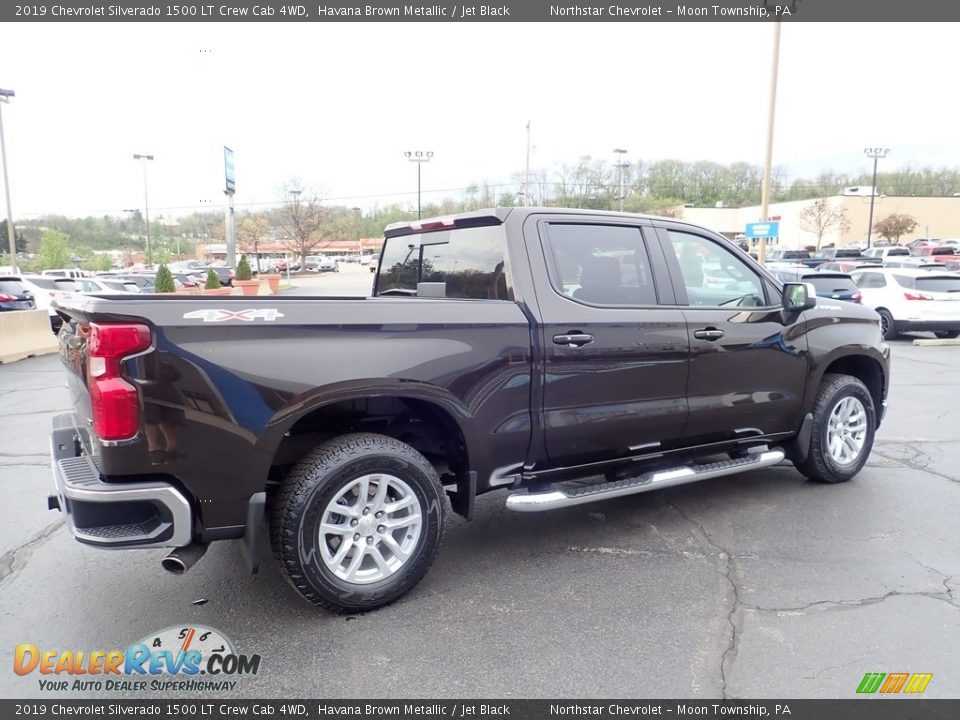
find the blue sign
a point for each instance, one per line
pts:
(762, 230)
(231, 180)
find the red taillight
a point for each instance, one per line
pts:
(7, 298)
(917, 296)
(114, 402)
(857, 297)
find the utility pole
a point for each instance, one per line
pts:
(768, 160)
(5, 96)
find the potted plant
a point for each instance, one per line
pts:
(272, 278)
(164, 283)
(243, 278)
(212, 286)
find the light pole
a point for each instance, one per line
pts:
(419, 157)
(621, 166)
(133, 212)
(296, 223)
(146, 204)
(5, 96)
(876, 153)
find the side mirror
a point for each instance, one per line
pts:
(798, 297)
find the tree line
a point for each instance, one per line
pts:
(303, 223)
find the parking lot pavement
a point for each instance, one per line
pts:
(761, 584)
(352, 280)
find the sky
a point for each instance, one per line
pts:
(336, 105)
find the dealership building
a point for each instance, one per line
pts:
(937, 217)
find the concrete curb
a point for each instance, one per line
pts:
(938, 341)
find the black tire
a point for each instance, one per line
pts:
(888, 327)
(948, 334)
(314, 482)
(820, 464)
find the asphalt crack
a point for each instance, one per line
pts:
(915, 463)
(13, 561)
(734, 617)
(826, 605)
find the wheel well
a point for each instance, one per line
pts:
(423, 425)
(865, 369)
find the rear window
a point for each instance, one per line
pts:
(796, 254)
(470, 261)
(12, 287)
(45, 283)
(830, 284)
(847, 253)
(898, 251)
(938, 284)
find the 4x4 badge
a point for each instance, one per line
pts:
(219, 315)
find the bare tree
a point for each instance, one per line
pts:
(301, 219)
(251, 231)
(894, 225)
(822, 217)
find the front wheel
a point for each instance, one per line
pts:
(844, 422)
(358, 522)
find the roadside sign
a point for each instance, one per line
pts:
(762, 230)
(231, 180)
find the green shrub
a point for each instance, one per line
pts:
(164, 281)
(213, 281)
(243, 269)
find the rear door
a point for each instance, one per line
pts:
(614, 343)
(748, 369)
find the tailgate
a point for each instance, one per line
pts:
(73, 353)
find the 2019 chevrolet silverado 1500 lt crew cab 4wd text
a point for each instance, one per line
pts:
(561, 356)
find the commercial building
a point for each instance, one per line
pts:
(937, 217)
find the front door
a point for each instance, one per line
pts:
(748, 368)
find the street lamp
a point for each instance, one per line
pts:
(876, 153)
(146, 204)
(5, 96)
(621, 166)
(419, 157)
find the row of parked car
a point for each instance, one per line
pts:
(910, 288)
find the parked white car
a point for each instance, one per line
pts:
(99, 285)
(912, 299)
(889, 251)
(65, 272)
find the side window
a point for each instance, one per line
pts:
(871, 280)
(713, 275)
(601, 264)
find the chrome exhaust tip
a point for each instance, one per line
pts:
(183, 558)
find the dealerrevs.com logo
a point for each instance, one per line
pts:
(183, 658)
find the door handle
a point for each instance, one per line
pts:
(710, 334)
(573, 339)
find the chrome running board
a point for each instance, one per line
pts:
(565, 497)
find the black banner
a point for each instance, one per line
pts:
(469, 11)
(203, 709)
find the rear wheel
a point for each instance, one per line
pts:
(358, 522)
(887, 326)
(844, 422)
(947, 334)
